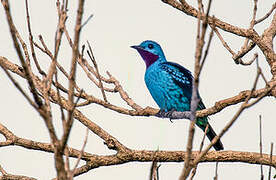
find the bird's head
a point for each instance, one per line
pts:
(151, 52)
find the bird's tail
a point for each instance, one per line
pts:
(211, 135)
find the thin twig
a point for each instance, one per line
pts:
(216, 172)
(3, 171)
(16, 84)
(68, 124)
(195, 99)
(15, 36)
(80, 155)
(200, 149)
(154, 175)
(88, 19)
(31, 41)
(222, 40)
(267, 15)
(251, 24)
(73, 74)
(60, 107)
(270, 160)
(87, 69)
(206, 50)
(236, 57)
(261, 146)
(90, 54)
(62, 15)
(47, 51)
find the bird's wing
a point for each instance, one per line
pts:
(183, 78)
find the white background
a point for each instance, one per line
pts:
(116, 26)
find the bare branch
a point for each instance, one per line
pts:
(71, 88)
(195, 99)
(15, 35)
(191, 11)
(267, 15)
(6, 176)
(31, 41)
(154, 175)
(88, 19)
(80, 155)
(261, 146)
(149, 111)
(90, 53)
(270, 159)
(216, 172)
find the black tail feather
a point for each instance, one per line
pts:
(211, 135)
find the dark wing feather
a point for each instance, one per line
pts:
(182, 77)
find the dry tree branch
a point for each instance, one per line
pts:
(15, 36)
(62, 15)
(124, 94)
(195, 99)
(264, 41)
(245, 48)
(86, 21)
(236, 57)
(206, 50)
(244, 106)
(95, 161)
(12, 139)
(154, 175)
(173, 156)
(41, 108)
(59, 102)
(270, 159)
(251, 24)
(216, 172)
(112, 143)
(91, 56)
(200, 149)
(124, 154)
(73, 172)
(87, 69)
(261, 145)
(31, 40)
(16, 84)
(6, 176)
(47, 51)
(148, 111)
(73, 75)
(267, 15)
(191, 11)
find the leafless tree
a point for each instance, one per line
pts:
(45, 90)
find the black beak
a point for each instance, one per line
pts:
(136, 47)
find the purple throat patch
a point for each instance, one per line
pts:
(148, 57)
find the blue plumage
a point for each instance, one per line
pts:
(170, 84)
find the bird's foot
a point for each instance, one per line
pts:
(161, 113)
(165, 114)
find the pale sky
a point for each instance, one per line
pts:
(115, 26)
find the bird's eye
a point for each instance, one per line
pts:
(150, 46)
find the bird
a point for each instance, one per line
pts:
(170, 85)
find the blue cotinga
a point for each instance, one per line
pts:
(170, 84)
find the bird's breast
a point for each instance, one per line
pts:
(164, 91)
